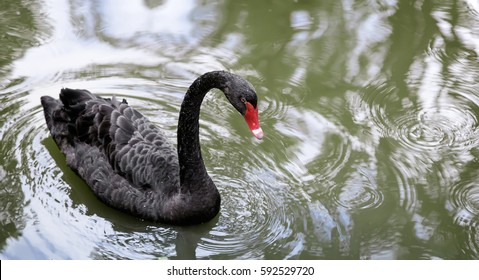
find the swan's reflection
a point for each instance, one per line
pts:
(188, 238)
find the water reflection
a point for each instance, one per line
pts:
(370, 111)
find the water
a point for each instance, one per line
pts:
(370, 111)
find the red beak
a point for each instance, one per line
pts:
(251, 118)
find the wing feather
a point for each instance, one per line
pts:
(133, 146)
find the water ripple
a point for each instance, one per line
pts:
(447, 123)
(472, 242)
(463, 204)
(252, 218)
(357, 196)
(449, 126)
(334, 158)
(407, 193)
(465, 201)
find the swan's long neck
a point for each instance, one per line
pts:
(192, 167)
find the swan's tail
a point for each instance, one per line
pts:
(64, 115)
(60, 115)
(75, 99)
(57, 121)
(65, 110)
(50, 106)
(71, 100)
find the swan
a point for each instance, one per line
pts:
(128, 162)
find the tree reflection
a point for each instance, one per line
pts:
(387, 56)
(18, 33)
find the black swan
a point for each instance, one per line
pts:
(129, 163)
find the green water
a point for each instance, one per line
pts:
(370, 112)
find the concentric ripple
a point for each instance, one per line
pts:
(446, 123)
(252, 218)
(398, 174)
(448, 127)
(464, 206)
(336, 155)
(360, 192)
(465, 202)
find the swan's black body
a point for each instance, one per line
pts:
(129, 163)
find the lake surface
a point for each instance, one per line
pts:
(370, 112)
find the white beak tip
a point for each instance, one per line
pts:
(258, 133)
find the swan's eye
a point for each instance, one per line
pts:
(243, 100)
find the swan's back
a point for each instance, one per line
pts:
(126, 160)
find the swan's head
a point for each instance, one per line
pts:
(243, 97)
